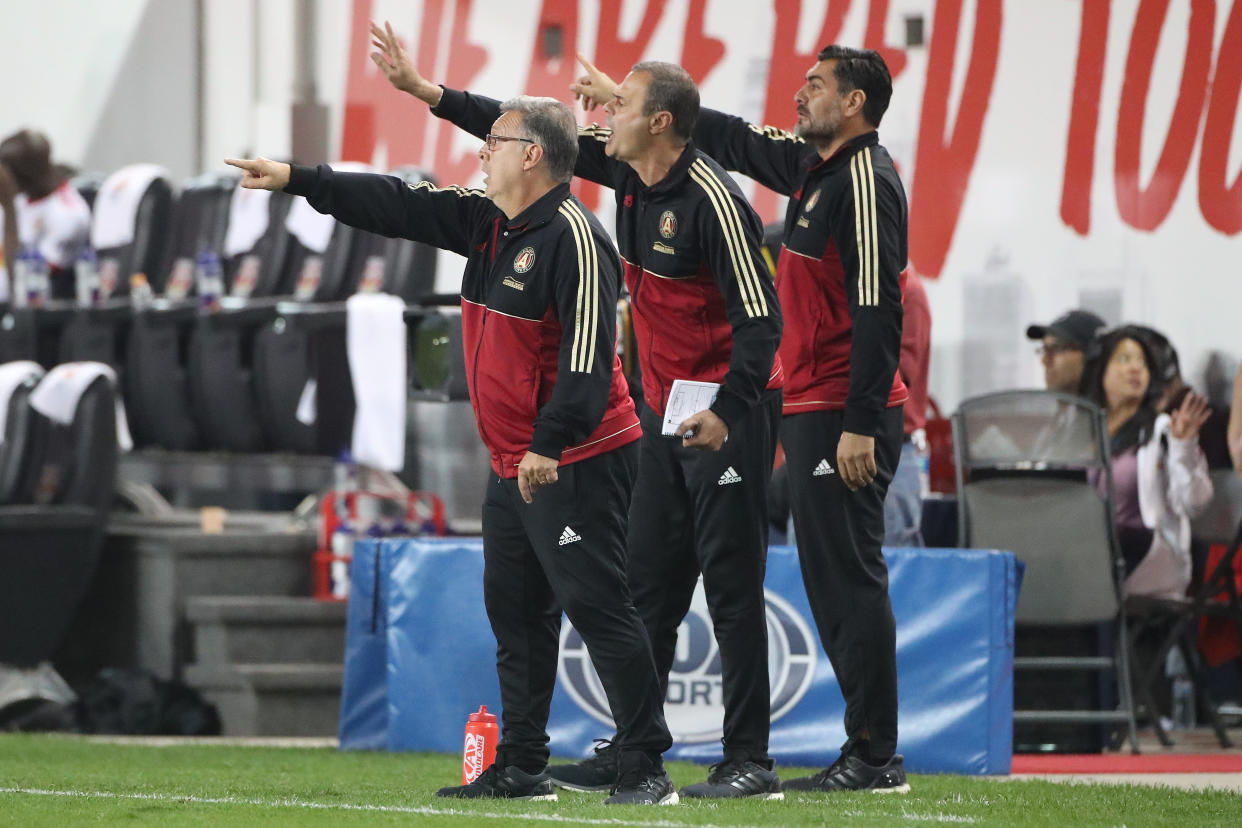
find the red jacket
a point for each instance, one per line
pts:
(844, 248)
(538, 300)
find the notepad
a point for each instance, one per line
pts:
(687, 397)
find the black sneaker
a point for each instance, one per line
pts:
(640, 782)
(511, 783)
(849, 773)
(737, 779)
(597, 773)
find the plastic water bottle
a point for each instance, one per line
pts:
(140, 294)
(923, 452)
(342, 542)
(209, 279)
(1183, 690)
(479, 750)
(86, 278)
(21, 276)
(36, 279)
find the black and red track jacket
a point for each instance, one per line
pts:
(704, 305)
(839, 271)
(538, 307)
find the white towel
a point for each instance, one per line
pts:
(248, 220)
(13, 374)
(308, 225)
(375, 340)
(57, 395)
(116, 205)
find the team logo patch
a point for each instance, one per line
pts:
(694, 702)
(811, 202)
(525, 260)
(668, 224)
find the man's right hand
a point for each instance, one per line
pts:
(262, 174)
(395, 63)
(594, 88)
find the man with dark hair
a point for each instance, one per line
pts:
(1064, 341)
(42, 212)
(838, 282)
(538, 305)
(705, 310)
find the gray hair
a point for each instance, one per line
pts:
(671, 90)
(551, 125)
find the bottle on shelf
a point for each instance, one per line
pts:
(209, 279)
(86, 278)
(140, 293)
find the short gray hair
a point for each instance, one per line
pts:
(671, 90)
(551, 125)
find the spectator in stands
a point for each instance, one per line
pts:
(903, 505)
(1064, 341)
(1167, 374)
(1160, 476)
(42, 211)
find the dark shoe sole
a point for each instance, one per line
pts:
(570, 786)
(671, 799)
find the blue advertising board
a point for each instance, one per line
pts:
(954, 611)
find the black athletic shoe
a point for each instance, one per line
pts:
(640, 782)
(597, 773)
(511, 783)
(849, 773)
(737, 779)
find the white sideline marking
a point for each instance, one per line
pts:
(345, 806)
(914, 817)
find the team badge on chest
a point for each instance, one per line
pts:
(525, 260)
(668, 224)
(811, 202)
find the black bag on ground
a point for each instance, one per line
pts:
(136, 702)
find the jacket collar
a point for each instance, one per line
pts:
(542, 211)
(678, 172)
(843, 153)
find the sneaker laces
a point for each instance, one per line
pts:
(603, 746)
(489, 778)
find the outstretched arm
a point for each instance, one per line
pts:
(384, 204)
(395, 63)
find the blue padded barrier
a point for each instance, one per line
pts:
(954, 611)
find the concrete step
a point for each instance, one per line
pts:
(134, 610)
(272, 699)
(231, 629)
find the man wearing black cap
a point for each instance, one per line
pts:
(1064, 341)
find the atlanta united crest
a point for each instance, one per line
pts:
(524, 260)
(668, 224)
(811, 202)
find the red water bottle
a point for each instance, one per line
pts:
(479, 753)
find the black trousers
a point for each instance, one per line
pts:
(707, 512)
(566, 550)
(839, 533)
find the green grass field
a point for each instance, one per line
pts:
(57, 780)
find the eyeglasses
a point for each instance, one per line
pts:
(493, 141)
(1051, 351)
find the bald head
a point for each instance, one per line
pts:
(28, 155)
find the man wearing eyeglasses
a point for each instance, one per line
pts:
(704, 309)
(538, 301)
(1062, 345)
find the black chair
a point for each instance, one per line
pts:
(15, 449)
(99, 333)
(219, 345)
(1174, 620)
(156, 387)
(307, 339)
(1025, 460)
(50, 541)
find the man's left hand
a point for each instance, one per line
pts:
(703, 430)
(534, 472)
(856, 460)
